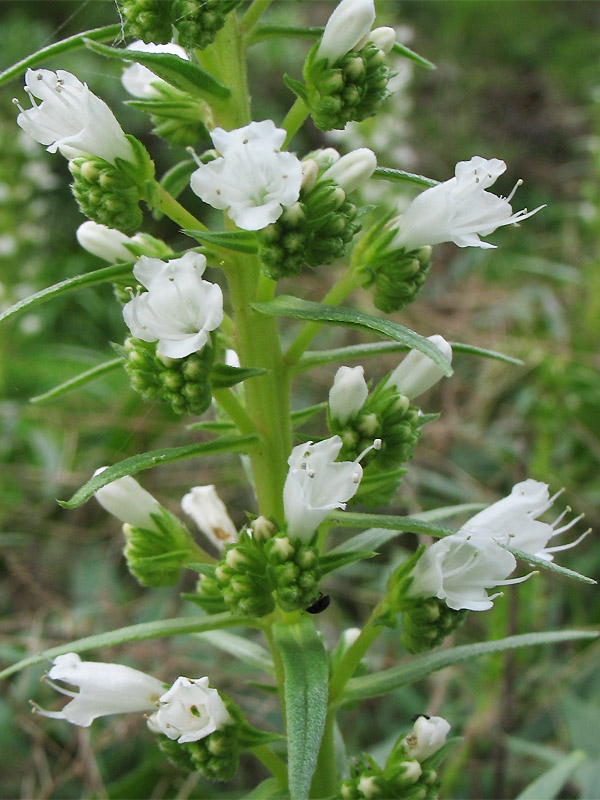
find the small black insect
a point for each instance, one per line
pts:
(319, 605)
(415, 717)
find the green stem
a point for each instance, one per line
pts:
(353, 656)
(325, 780)
(334, 297)
(294, 119)
(176, 212)
(272, 762)
(254, 13)
(234, 409)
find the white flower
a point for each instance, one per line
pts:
(252, 179)
(348, 393)
(459, 569)
(179, 309)
(316, 484)
(106, 243)
(125, 499)
(460, 209)
(417, 372)
(208, 511)
(352, 170)
(70, 118)
(384, 38)
(513, 521)
(103, 689)
(189, 711)
(138, 80)
(349, 23)
(428, 735)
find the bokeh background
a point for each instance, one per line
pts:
(514, 80)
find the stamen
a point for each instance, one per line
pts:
(568, 525)
(509, 581)
(550, 502)
(567, 546)
(58, 688)
(195, 156)
(375, 446)
(560, 516)
(515, 187)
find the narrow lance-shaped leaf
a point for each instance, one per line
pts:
(223, 376)
(79, 380)
(548, 785)
(239, 647)
(286, 306)
(158, 629)
(400, 176)
(58, 48)
(420, 666)
(181, 74)
(305, 689)
(154, 458)
(241, 241)
(406, 52)
(103, 275)
(550, 566)
(471, 349)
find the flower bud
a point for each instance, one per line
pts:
(208, 511)
(125, 499)
(198, 23)
(350, 21)
(428, 735)
(106, 243)
(105, 194)
(384, 38)
(348, 393)
(418, 372)
(148, 20)
(352, 170)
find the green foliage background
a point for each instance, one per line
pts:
(515, 80)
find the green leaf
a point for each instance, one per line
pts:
(154, 458)
(315, 358)
(135, 633)
(332, 560)
(287, 306)
(297, 87)
(58, 48)
(267, 790)
(181, 74)
(400, 176)
(241, 241)
(356, 519)
(549, 566)
(176, 179)
(449, 511)
(212, 426)
(239, 647)
(406, 52)
(471, 349)
(261, 32)
(372, 539)
(548, 785)
(68, 285)
(305, 688)
(302, 415)
(420, 666)
(222, 375)
(79, 380)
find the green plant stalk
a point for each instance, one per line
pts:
(254, 13)
(293, 119)
(325, 779)
(176, 212)
(334, 297)
(272, 762)
(234, 410)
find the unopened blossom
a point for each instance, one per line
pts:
(426, 738)
(459, 210)
(126, 500)
(513, 521)
(348, 393)
(384, 38)
(104, 242)
(352, 170)
(189, 711)
(349, 23)
(140, 81)
(208, 511)
(70, 118)
(417, 372)
(179, 309)
(317, 484)
(103, 689)
(458, 569)
(252, 179)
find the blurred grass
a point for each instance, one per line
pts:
(515, 80)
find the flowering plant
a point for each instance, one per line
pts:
(196, 345)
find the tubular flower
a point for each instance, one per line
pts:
(417, 372)
(138, 80)
(513, 521)
(70, 118)
(208, 511)
(316, 484)
(189, 711)
(252, 179)
(179, 309)
(103, 689)
(348, 393)
(460, 209)
(126, 500)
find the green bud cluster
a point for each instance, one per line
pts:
(256, 573)
(216, 756)
(396, 274)
(199, 21)
(148, 20)
(105, 193)
(351, 89)
(426, 622)
(315, 230)
(182, 383)
(402, 777)
(156, 557)
(385, 415)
